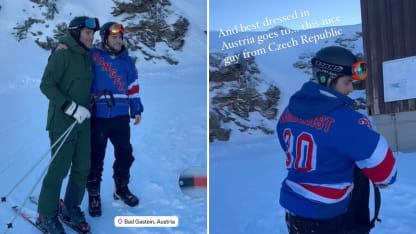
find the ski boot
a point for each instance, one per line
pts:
(94, 199)
(74, 217)
(52, 225)
(123, 193)
(94, 205)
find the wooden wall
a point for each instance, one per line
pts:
(389, 32)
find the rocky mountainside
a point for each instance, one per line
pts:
(148, 24)
(236, 96)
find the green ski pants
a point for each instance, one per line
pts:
(74, 156)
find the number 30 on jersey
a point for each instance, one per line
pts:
(300, 151)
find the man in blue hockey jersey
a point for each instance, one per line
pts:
(115, 92)
(324, 139)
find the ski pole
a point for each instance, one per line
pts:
(64, 136)
(67, 131)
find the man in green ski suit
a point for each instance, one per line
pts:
(66, 83)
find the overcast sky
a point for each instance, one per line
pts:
(225, 14)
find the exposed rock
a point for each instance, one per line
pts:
(21, 30)
(147, 23)
(235, 95)
(215, 129)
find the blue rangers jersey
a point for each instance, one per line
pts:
(323, 138)
(115, 87)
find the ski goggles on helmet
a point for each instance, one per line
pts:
(116, 29)
(90, 23)
(359, 71)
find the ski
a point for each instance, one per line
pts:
(29, 219)
(69, 223)
(32, 220)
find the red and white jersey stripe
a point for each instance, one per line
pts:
(380, 167)
(325, 193)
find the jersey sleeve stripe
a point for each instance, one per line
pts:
(380, 166)
(377, 156)
(383, 172)
(134, 90)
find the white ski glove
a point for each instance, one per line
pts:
(78, 112)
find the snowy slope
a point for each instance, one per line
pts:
(245, 177)
(170, 138)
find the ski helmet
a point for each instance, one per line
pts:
(80, 22)
(331, 62)
(111, 28)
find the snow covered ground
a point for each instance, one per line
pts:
(245, 177)
(171, 137)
